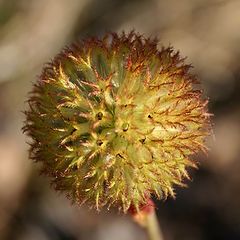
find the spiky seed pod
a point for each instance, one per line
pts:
(114, 120)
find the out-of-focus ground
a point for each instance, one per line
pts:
(207, 31)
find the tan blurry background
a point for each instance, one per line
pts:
(207, 31)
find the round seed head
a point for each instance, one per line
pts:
(115, 120)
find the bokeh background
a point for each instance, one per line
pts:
(207, 31)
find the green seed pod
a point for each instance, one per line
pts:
(115, 120)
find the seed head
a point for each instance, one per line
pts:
(114, 120)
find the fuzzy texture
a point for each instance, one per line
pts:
(115, 120)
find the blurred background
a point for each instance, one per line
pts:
(207, 31)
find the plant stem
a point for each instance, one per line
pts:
(147, 218)
(153, 227)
